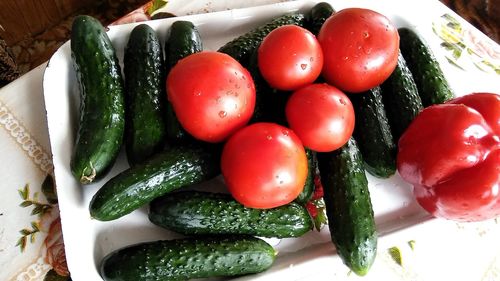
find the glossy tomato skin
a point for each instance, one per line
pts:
(322, 116)
(360, 48)
(290, 57)
(264, 165)
(212, 95)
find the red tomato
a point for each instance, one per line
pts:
(290, 57)
(360, 47)
(264, 165)
(212, 95)
(321, 115)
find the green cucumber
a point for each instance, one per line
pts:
(307, 193)
(348, 206)
(431, 83)
(167, 171)
(189, 258)
(318, 14)
(194, 212)
(183, 39)
(144, 95)
(102, 110)
(400, 97)
(270, 103)
(242, 47)
(373, 133)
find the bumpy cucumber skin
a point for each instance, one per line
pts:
(188, 258)
(348, 206)
(145, 126)
(102, 109)
(242, 47)
(373, 133)
(183, 39)
(308, 190)
(401, 100)
(166, 171)
(318, 14)
(194, 212)
(429, 78)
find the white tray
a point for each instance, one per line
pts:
(88, 241)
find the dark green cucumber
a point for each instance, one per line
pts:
(348, 206)
(241, 48)
(102, 110)
(189, 258)
(401, 100)
(183, 39)
(308, 190)
(145, 126)
(194, 212)
(431, 83)
(167, 171)
(318, 14)
(270, 103)
(373, 133)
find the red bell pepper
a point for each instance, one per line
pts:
(450, 153)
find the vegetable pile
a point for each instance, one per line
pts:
(291, 114)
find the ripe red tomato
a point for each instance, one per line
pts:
(290, 57)
(360, 47)
(212, 95)
(264, 165)
(321, 115)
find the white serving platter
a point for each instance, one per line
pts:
(88, 241)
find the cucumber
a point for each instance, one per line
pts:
(167, 171)
(400, 97)
(194, 212)
(318, 14)
(270, 103)
(306, 193)
(431, 83)
(348, 206)
(183, 39)
(188, 258)
(102, 110)
(242, 47)
(144, 95)
(373, 133)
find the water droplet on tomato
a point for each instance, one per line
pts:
(346, 58)
(311, 59)
(342, 101)
(269, 137)
(366, 34)
(222, 114)
(303, 66)
(285, 132)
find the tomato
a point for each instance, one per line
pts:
(321, 115)
(290, 57)
(360, 47)
(212, 95)
(264, 165)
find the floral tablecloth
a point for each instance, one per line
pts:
(31, 242)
